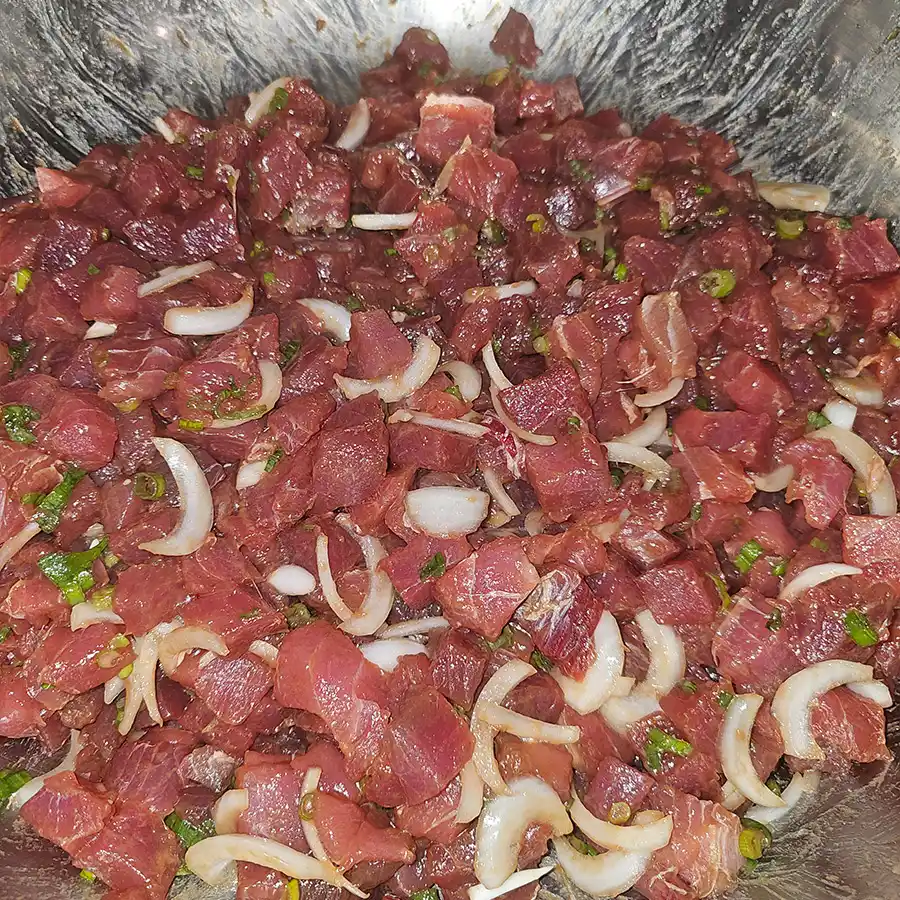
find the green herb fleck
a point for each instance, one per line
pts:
(754, 840)
(49, 509)
(609, 255)
(644, 183)
(573, 424)
(620, 273)
(504, 640)
(391, 251)
(10, 781)
(274, 458)
(149, 485)
(702, 403)
(586, 245)
(493, 232)
(702, 190)
(288, 352)
(721, 211)
(722, 588)
(22, 279)
(292, 891)
(779, 566)
(71, 572)
(434, 568)
(454, 391)
(268, 278)
(539, 661)
(5, 632)
(689, 687)
(18, 351)
(195, 172)
(258, 248)
(817, 420)
(724, 699)
(696, 511)
(893, 340)
(617, 475)
(87, 875)
(432, 893)
(844, 224)
(189, 834)
(747, 555)
(789, 229)
(818, 543)
(582, 846)
(774, 620)
(190, 424)
(103, 597)
(353, 303)
(279, 100)
(856, 624)
(17, 418)
(717, 283)
(580, 170)
(658, 742)
(298, 614)
(92, 269)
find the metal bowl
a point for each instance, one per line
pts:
(807, 88)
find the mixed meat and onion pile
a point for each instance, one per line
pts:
(411, 498)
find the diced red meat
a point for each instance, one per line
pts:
(377, 346)
(680, 594)
(643, 545)
(237, 616)
(421, 447)
(273, 803)
(458, 664)
(434, 819)
(870, 539)
(515, 39)
(549, 403)
(404, 566)
(549, 762)
(857, 252)
(850, 726)
(482, 179)
(753, 385)
(713, 476)
(616, 782)
(747, 437)
(142, 609)
(446, 120)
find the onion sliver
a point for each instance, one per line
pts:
(267, 652)
(174, 645)
(840, 413)
(734, 750)
(379, 600)
(494, 691)
(100, 330)
(140, 685)
(667, 659)
(454, 426)
(655, 467)
(67, 764)
(163, 128)
(664, 395)
(444, 511)
(269, 392)
(606, 875)
(334, 318)
(466, 377)
(513, 883)
(622, 712)
(815, 575)
(793, 700)
(493, 483)
(227, 810)
(442, 182)
(414, 626)
(211, 859)
(250, 473)
(84, 615)
(599, 682)
(357, 127)
(876, 691)
(794, 195)
(394, 388)
(326, 580)
(868, 465)
(293, 581)
(386, 653)
(471, 795)
(383, 221)
(500, 291)
(649, 431)
(530, 437)
(310, 832)
(802, 783)
(259, 103)
(195, 501)
(172, 276)
(535, 522)
(14, 544)
(526, 727)
(640, 838)
(774, 481)
(504, 821)
(498, 379)
(861, 390)
(204, 320)
(112, 689)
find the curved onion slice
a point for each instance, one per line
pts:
(112, 689)
(876, 691)
(794, 195)
(599, 682)
(792, 703)
(211, 859)
(504, 821)
(293, 581)
(444, 511)
(326, 580)
(641, 838)
(84, 615)
(455, 426)
(67, 764)
(649, 431)
(163, 128)
(513, 883)
(530, 437)
(413, 626)
(493, 483)
(734, 750)
(100, 330)
(394, 388)
(383, 221)
(861, 390)
(802, 783)
(174, 645)
(471, 796)
(868, 465)
(664, 395)
(250, 473)
(494, 691)
(622, 712)
(269, 392)
(259, 103)
(267, 652)
(310, 832)
(814, 575)
(195, 501)
(655, 467)
(500, 291)
(774, 481)
(357, 127)
(526, 727)
(172, 276)
(334, 318)
(466, 377)
(840, 413)
(140, 685)
(535, 522)
(732, 798)
(667, 659)
(227, 810)
(14, 544)
(442, 182)
(498, 379)
(205, 320)
(386, 653)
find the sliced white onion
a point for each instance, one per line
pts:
(535, 522)
(667, 658)
(815, 575)
(494, 691)
(649, 431)
(250, 473)
(442, 182)
(310, 832)
(195, 502)
(526, 727)
(379, 600)
(212, 860)
(413, 627)
(504, 821)
(84, 615)
(664, 395)
(14, 544)
(493, 483)
(868, 465)
(840, 413)
(530, 437)
(269, 392)
(445, 511)
(513, 883)
(454, 426)
(621, 713)
(774, 481)
(655, 467)
(794, 195)
(292, 581)
(802, 783)
(140, 685)
(732, 798)
(163, 128)
(793, 700)
(599, 682)
(334, 318)
(357, 127)
(500, 291)
(112, 689)
(100, 330)
(640, 838)
(471, 794)
(267, 652)
(206, 320)
(495, 373)
(466, 377)
(393, 388)
(861, 391)
(326, 580)
(876, 691)
(172, 276)
(67, 764)
(386, 653)
(228, 808)
(383, 221)
(734, 750)
(259, 103)
(174, 645)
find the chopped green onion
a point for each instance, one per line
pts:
(390, 251)
(495, 346)
(275, 457)
(702, 190)
(189, 834)
(504, 640)
(5, 632)
(541, 345)
(539, 661)
(856, 624)
(307, 808)
(434, 568)
(103, 597)
(288, 352)
(774, 620)
(582, 846)
(893, 340)
(696, 511)
(620, 273)
(609, 255)
(817, 419)
(232, 392)
(617, 475)
(292, 891)
(279, 100)
(724, 699)
(149, 485)
(126, 671)
(10, 781)
(844, 224)
(754, 839)
(18, 350)
(354, 304)
(92, 269)
(721, 211)
(779, 567)
(664, 220)
(773, 785)
(722, 588)
(194, 172)
(702, 403)
(22, 279)
(258, 248)
(573, 424)
(268, 278)
(619, 813)
(586, 245)
(190, 424)
(71, 572)
(689, 687)
(717, 283)
(432, 893)
(497, 77)
(789, 229)
(105, 234)
(454, 391)
(580, 170)
(748, 555)
(493, 232)
(537, 221)
(17, 418)
(658, 742)
(87, 875)
(49, 509)
(818, 543)
(644, 183)
(298, 614)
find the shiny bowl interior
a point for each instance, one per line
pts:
(807, 89)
